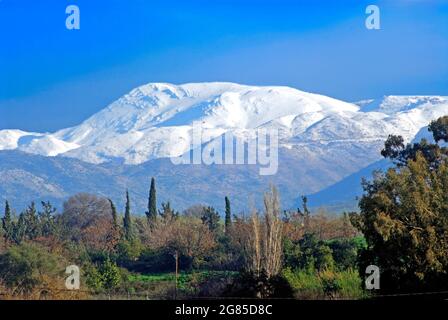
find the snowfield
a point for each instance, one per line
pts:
(155, 121)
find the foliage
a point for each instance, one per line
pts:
(47, 220)
(327, 284)
(260, 285)
(128, 251)
(344, 252)
(168, 213)
(104, 276)
(210, 217)
(127, 220)
(189, 237)
(309, 253)
(151, 214)
(26, 266)
(7, 223)
(110, 275)
(404, 218)
(228, 216)
(87, 220)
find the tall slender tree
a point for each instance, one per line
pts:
(228, 218)
(152, 203)
(114, 213)
(7, 224)
(127, 222)
(115, 234)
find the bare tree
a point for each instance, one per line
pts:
(88, 218)
(273, 234)
(255, 245)
(188, 237)
(264, 250)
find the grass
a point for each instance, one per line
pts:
(188, 283)
(327, 284)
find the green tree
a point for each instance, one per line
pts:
(168, 213)
(228, 218)
(110, 275)
(210, 217)
(19, 229)
(26, 266)
(400, 154)
(439, 129)
(46, 219)
(152, 203)
(404, 219)
(7, 223)
(31, 221)
(345, 253)
(315, 253)
(127, 220)
(116, 232)
(113, 213)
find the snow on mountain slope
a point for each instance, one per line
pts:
(156, 121)
(36, 143)
(393, 104)
(9, 139)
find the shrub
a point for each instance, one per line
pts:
(327, 284)
(27, 266)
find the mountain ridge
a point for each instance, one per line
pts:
(322, 140)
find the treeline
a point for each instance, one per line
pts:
(111, 247)
(402, 227)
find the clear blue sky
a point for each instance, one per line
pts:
(51, 78)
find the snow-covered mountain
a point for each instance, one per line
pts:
(322, 140)
(155, 121)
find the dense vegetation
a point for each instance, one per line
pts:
(402, 227)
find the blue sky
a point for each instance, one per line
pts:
(51, 78)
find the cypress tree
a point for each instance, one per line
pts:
(127, 223)
(228, 219)
(7, 223)
(114, 213)
(152, 203)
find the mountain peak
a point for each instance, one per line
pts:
(155, 120)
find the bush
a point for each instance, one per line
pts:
(107, 276)
(308, 253)
(249, 285)
(305, 283)
(327, 284)
(350, 285)
(27, 266)
(345, 253)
